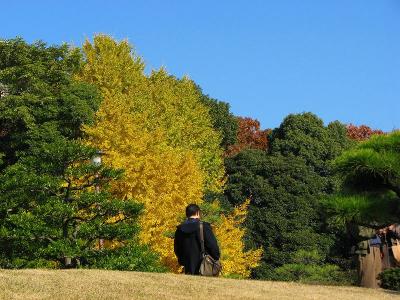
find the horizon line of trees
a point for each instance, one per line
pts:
(165, 145)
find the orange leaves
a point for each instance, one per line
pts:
(249, 136)
(361, 133)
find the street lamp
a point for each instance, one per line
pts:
(96, 160)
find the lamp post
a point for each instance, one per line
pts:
(96, 160)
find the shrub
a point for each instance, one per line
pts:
(310, 267)
(311, 273)
(390, 279)
(28, 263)
(307, 257)
(131, 257)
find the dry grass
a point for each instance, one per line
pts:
(98, 284)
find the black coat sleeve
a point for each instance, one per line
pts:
(178, 246)
(210, 242)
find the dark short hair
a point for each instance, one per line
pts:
(191, 210)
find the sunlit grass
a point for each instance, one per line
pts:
(99, 284)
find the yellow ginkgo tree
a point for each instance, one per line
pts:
(164, 179)
(230, 233)
(156, 129)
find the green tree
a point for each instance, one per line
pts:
(371, 187)
(40, 94)
(304, 135)
(50, 209)
(286, 185)
(283, 217)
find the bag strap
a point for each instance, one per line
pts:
(203, 252)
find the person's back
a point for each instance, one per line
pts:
(187, 241)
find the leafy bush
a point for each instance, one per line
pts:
(307, 257)
(390, 279)
(131, 257)
(309, 267)
(28, 263)
(311, 273)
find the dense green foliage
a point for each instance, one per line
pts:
(49, 209)
(371, 188)
(304, 135)
(310, 267)
(54, 202)
(285, 186)
(43, 102)
(283, 215)
(131, 257)
(390, 279)
(373, 164)
(223, 120)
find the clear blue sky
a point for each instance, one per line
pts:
(337, 58)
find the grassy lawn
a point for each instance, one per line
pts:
(99, 284)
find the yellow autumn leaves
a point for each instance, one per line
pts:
(156, 129)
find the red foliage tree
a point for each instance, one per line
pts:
(249, 136)
(362, 132)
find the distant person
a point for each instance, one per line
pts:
(391, 249)
(386, 253)
(187, 241)
(395, 230)
(368, 251)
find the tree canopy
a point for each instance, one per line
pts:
(371, 189)
(160, 131)
(43, 101)
(51, 206)
(277, 199)
(223, 120)
(249, 136)
(286, 185)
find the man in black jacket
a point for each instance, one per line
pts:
(187, 241)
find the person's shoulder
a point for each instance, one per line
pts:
(206, 224)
